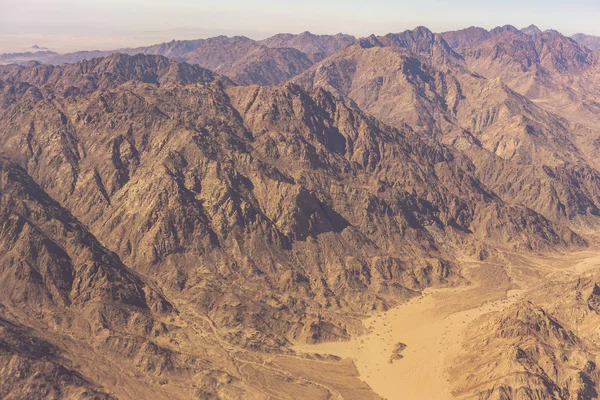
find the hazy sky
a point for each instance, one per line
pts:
(73, 24)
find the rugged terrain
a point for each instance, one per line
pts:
(270, 61)
(211, 218)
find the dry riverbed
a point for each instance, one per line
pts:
(432, 342)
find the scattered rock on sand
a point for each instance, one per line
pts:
(397, 352)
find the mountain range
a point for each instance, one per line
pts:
(174, 219)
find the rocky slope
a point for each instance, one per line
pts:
(77, 323)
(199, 184)
(58, 281)
(526, 353)
(545, 347)
(554, 71)
(522, 152)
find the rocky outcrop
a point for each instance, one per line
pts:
(525, 154)
(525, 353)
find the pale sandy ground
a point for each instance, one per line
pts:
(432, 325)
(586, 264)
(432, 339)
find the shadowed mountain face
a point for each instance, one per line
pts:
(190, 221)
(521, 151)
(223, 171)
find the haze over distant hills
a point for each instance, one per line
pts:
(189, 219)
(270, 61)
(592, 42)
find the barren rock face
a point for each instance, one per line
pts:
(533, 356)
(523, 152)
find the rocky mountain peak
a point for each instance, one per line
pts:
(309, 43)
(369, 42)
(531, 30)
(504, 30)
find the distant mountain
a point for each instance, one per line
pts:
(268, 62)
(311, 44)
(107, 73)
(22, 58)
(589, 41)
(243, 60)
(508, 53)
(531, 30)
(466, 37)
(558, 73)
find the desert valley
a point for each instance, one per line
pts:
(413, 215)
